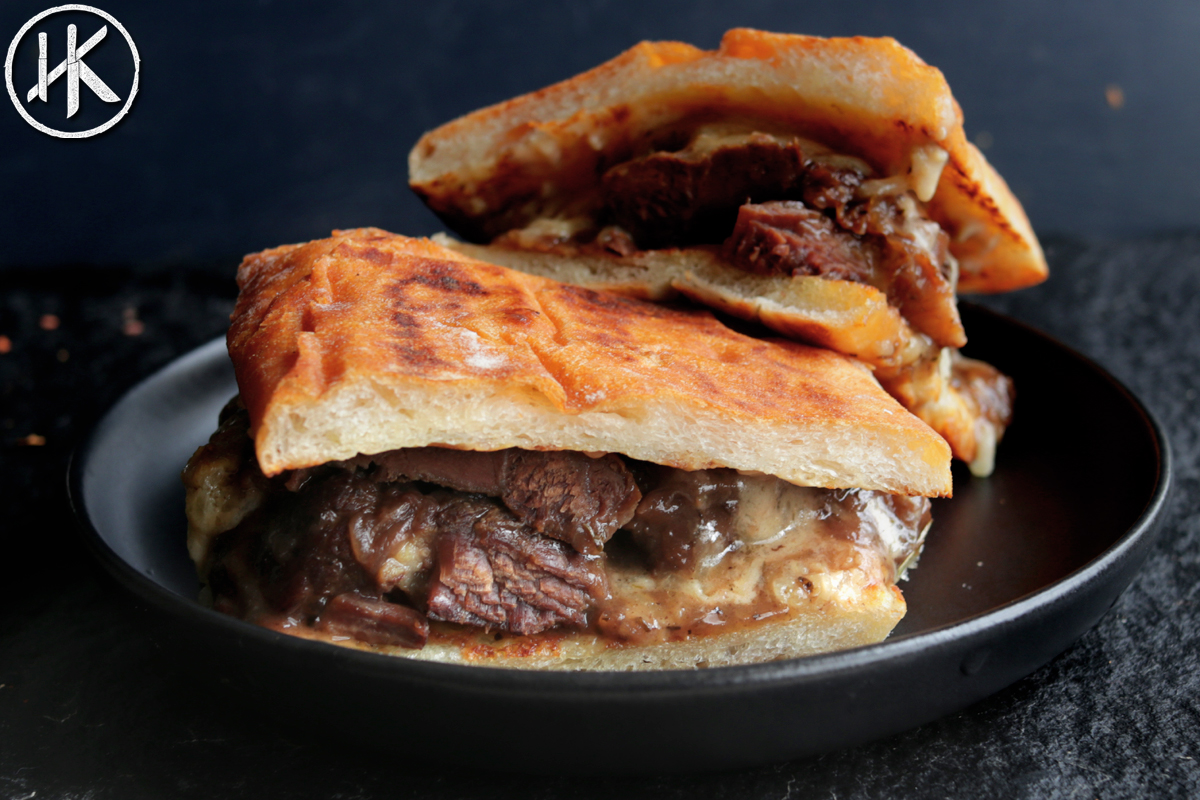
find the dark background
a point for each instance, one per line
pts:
(258, 124)
(262, 123)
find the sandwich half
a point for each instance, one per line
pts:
(441, 458)
(824, 187)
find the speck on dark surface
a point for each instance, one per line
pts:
(91, 707)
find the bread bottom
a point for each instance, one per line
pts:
(833, 626)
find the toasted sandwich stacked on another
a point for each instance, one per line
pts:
(822, 186)
(438, 457)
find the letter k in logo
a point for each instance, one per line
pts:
(75, 69)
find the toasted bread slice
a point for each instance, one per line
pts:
(502, 166)
(368, 341)
(849, 317)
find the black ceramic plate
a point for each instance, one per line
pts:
(1016, 568)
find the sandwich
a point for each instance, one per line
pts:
(436, 457)
(823, 187)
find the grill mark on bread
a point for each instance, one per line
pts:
(445, 277)
(407, 339)
(376, 256)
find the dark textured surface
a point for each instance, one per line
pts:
(90, 707)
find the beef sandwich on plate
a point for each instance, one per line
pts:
(822, 186)
(441, 458)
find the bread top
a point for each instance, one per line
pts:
(870, 98)
(368, 341)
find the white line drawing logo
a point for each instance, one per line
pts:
(74, 68)
(76, 71)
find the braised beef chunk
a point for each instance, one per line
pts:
(562, 494)
(673, 199)
(570, 496)
(788, 237)
(495, 573)
(464, 470)
(919, 286)
(365, 534)
(684, 517)
(394, 539)
(836, 188)
(374, 621)
(791, 213)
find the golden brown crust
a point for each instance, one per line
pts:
(989, 232)
(871, 98)
(333, 326)
(849, 317)
(846, 316)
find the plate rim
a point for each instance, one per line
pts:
(554, 683)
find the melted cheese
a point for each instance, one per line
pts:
(925, 170)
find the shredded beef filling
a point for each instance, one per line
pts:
(341, 536)
(783, 206)
(788, 237)
(492, 572)
(673, 199)
(562, 494)
(515, 542)
(373, 530)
